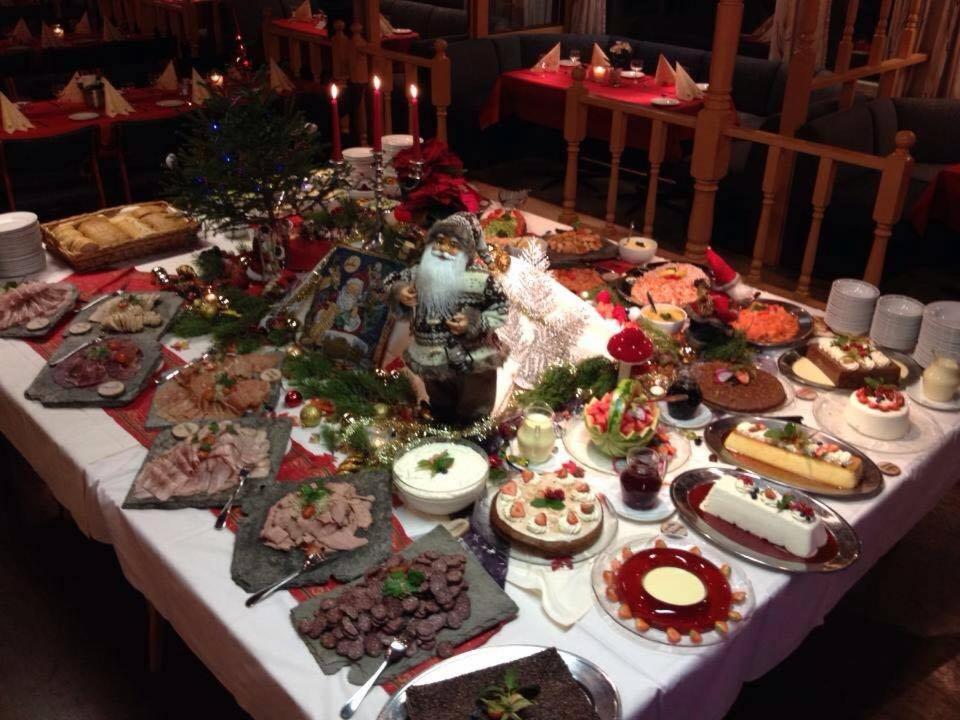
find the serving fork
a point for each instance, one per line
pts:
(313, 559)
(225, 513)
(93, 303)
(396, 651)
(93, 341)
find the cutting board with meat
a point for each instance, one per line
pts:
(32, 309)
(198, 465)
(109, 373)
(580, 246)
(140, 314)
(222, 388)
(455, 601)
(348, 517)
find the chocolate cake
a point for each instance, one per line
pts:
(738, 389)
(543, 678)
(848, 362)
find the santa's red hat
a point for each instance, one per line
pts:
(723, 274)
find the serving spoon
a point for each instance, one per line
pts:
(314, 558)
(397, 650)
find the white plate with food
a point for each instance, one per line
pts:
(664, 102)
(81, 116)
(919, 430)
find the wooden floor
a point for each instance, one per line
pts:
(72, 632)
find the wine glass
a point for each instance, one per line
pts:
(575, 56)
(636, 65)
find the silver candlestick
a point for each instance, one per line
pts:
(376, 242)
(339, 168)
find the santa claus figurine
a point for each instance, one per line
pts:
(453, 304)
(727, 280)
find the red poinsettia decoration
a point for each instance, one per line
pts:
(442, 189)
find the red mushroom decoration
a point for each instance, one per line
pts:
(630, 346)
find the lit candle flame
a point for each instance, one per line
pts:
(334, 91)
(376, 82)
(413, 91)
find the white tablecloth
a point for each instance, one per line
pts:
(182, 565)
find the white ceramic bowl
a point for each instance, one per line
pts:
(438, 504)
(423, 494)
(638, 255)
(668, 326)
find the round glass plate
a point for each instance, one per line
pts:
(703, 417)
(495, 543)
(915, 392)
(598, 687)
(577, 441)
(910, 371)
(871, 479)
(689, 489)
(551, 464)
(923, 434)
(766, 364)
(661, 511)
(736, 581)
(804, 321)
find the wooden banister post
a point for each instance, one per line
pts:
(373, 22)
(574, 130)
(271, 43)
(479, 25)
(889, 206)
(618, 138)
(822, 191)
(341, 51)
(878, 45)
(766, 212)
(440, 87)
(711, 148)
(845, 53)
(658, 145)
(891, 84)
(796, 103)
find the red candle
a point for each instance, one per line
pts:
(415, 122)
(377, 117)
(335, 125)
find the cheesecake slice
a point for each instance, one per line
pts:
(791, 450)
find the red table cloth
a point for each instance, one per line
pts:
(70, 40)
(51, 117)
(940, 201)
(539, 98)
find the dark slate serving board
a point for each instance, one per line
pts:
(45, 389)
(156, 422)
(168, 305)
(255, 565)
(490, 606)
(609, 251)
(19, 331)
(278, 432)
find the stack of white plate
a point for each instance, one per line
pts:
(896, 323)
(392, 144)
(360, 160)
(850, 306)
(939, 332)
(21, 248)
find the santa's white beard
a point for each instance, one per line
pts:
(440, 281)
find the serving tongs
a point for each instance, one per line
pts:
(93, 303)
(314, 558)
(82, 346)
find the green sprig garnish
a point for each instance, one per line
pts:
(437, 464)
(551, 503)
(312, 493)
(225, 380)
(400, 584)
(789, 433)
(507, 700)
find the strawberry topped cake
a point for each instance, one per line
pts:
(553, 518)
(878, 411)
(848, 362)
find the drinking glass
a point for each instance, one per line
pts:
(575, 56)
(637, 67)
(641, 479)
(536, 436)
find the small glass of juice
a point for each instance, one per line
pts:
(641, 479)
(536, 436)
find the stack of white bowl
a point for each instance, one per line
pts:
(850, 306)
(939, 332)
(896, 323)
(392, 144)
(21, 246)
(360, 160)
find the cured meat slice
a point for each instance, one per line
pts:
(330, 523)
(31, 300)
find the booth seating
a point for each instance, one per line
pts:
(431, 19)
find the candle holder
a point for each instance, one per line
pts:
(339, 168)
(414, 176)
(376, 242)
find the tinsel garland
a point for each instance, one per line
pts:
(564, 383)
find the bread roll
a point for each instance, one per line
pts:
(99, 229)
(132, 226)
(165, 222)
(72, 240)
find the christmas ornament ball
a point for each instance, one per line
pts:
(209, 310)
(293, 398)
(381, 410)
(294, 351)
(310, 416)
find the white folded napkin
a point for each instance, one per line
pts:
(110, 32)
(551, 61)
(565, 595)
(83, 26)
(599, 57)
(71, 92)
(278, 78)
(113, 101)
(168, 79)
(665, 74)
(200, 90)
(686, 88)
(385, 27)
(13, 119)
(303, 12)
(21, 33)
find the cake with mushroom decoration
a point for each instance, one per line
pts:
(630, 347)
(878, 411)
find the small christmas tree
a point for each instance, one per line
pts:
(247, 157)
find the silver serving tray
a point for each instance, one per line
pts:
(625, 283)
(848, 544)
(871, 481)
(786, 360)
(599, 687)
(804, 319)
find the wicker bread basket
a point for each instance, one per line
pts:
(158, 242)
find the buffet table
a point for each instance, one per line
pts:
(182, 565)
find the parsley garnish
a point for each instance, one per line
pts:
(551, 503)
(205, 447)
(790, 433)
(225, 380)
(785, 501)
(400, 583)
(312, 493)
(439, 463)
(872, 383)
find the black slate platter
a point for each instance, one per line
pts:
(45, 389)
(155, 421)
(256, 565)
(608, 251)
(490, 606)
(167, 306)
(278, 432)
(19, 331)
